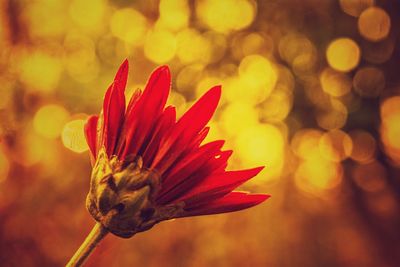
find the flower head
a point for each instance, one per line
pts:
(149, 167)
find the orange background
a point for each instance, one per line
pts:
(311, 90)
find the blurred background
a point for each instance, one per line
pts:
(311, 89)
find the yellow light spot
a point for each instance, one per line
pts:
(73, 136)
(258, 77)
(160, 46)
(335, 83)
(49, 120)
(316, 175)
(238, 116)
(343, 54)
(129, 25)
(4, 166)
(178, 101)
(335, 145)
(355, 8)
(40, 71)
(88, 14)
(369, 82)
(262, 144)
(277, 106)
(333, 116)
(192, 47)
(305, 143)
(174, 14)
(364, 146)
(390, 128)
(370, 177)
(189, 77)
(226, 15)
(80, 57)
(374, 24)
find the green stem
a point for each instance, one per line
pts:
(97, 233)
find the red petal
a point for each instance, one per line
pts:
(187, 128)
(165, 122)
(113, 112)
(122, 76)
(215, 186)
(189, 164)
(91, 134)
(142, 117)
(233, 201)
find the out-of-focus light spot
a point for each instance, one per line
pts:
(369, 82)
(262, 144)
(73, 136)
(40, 71)
(374, 24)
(237, 117)
(277, 106)
(178, 101)
(88, 14)
(370, 177)
(335, 145)
(129, 25)
(390, 127)
(174, 14)
(192, 47)
(253, 43)
(38, 12)
(316, 175)
(206, 84)
(305, 143)
(217, 44)
(298, 51)
(335, 83)
(258, 77)
(160, 46)
(49, 120)
(378, 52)
(364, 146)
(226, 15)
(188, 77)
(383, 204)
(4, 166)
(333, 116)
(343, 54)
(355, 8)
(80, 57)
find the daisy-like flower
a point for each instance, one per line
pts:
(149, 167)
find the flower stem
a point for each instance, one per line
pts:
(97, 233)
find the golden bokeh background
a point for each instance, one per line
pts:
(311, 90)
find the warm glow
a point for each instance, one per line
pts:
(4, 166)
(364, 146)
(49, 120)
(174, 14)
(129, 25)
(160, 46)
(335, 145)
(335, 83)
(73, 136)
(44, 78)
(226, 15)
(369, 82)
(317, 174)
(258, 77)
(374, 24)
(262, 145)
(370, 177)
(343, 54)
(355, 7)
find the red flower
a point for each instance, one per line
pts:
(150, 167)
